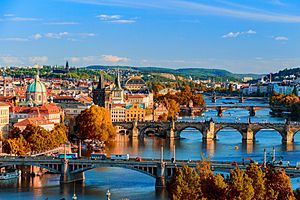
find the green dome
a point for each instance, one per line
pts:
(36, 86)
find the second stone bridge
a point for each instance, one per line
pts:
(209, 129)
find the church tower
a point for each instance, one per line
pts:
(118, 93)
(67, 67)
(99, 92)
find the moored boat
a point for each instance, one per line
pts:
(10, 174)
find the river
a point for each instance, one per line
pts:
(124, 183)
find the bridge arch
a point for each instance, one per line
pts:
(54, 168)
(264, 134)
(160, 127)
(150, 171)
(237, 130)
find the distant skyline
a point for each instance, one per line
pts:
(241, 36)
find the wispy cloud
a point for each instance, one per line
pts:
(116, 19)
(37, 36)
(59, 35)
(38, 59)
(281, 38)
(15, 39)
(198, 8)
(8, 15)
(23, 19)
(236, 34)
(111, 58)
(61, 23)
(10, 60)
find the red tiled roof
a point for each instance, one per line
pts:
(35, 121)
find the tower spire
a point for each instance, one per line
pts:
(37, 76)
(117, 81)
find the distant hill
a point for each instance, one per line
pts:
(287, 72)
(201, 73)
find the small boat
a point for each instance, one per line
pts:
(10, 175)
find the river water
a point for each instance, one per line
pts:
(124, 183)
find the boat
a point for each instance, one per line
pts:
(10, 175)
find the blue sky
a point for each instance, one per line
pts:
(257, 36)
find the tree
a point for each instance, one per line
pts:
(241, 185)
(279, 184)
(95, 123)
(173, 108)
(258, 177)
(185, 184)
(163, 117)
(295, 111)
(15, 132)
(198, 100)
(17, 146)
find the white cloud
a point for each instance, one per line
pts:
(37, 36)
(198, 8)
(10, 60)
(87, 34)
(115, 19)
(108, 17)
(236, 34)
(281, 38)
(123, 21)
(111, 58)
(38, 59)
(61, 23)
(73, 59)
(231, 35)
(15, 39)
(22, 19)
(8, 15)
(56, 35)
(250, 31)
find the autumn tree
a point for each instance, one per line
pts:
(198, 100)
(173, 108)
(279, 185)
(163, 117)
(15, 132)
(258, 177)
(241, 185)
(95, 123)
(17, 146)
(185, 185)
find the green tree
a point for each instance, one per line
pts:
(95, 123)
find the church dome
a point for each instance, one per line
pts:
(36, 86)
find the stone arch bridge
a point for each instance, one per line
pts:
(209, 129)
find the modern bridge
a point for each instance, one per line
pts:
(162, 170)
(209, 129)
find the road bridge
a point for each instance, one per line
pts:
(209, 129)
(73, 170)
(251, 108)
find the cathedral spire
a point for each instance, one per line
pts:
(117, 81)
(37, 76)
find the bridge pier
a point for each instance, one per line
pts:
(209, 132)
(160, 181)
(135, 130)
(220, 111)
(248, 136)
(67, 177)
(252, 111)
(288, 136)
